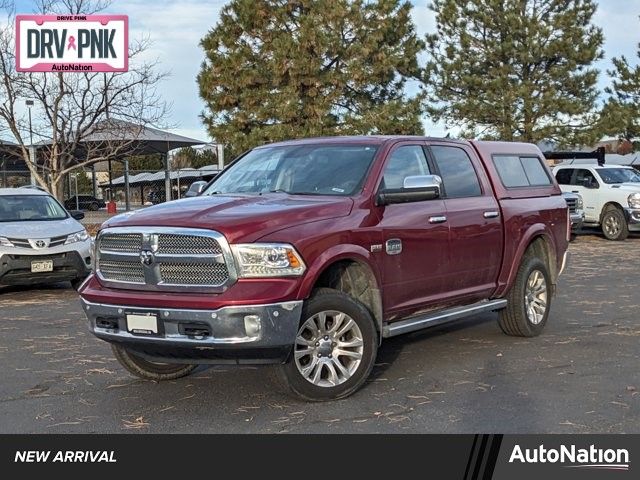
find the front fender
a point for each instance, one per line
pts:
(331, 256)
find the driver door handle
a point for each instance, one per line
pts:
(491, 214)
(438, 219)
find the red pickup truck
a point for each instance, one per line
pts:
(309, 253)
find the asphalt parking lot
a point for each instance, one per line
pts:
(580, 376)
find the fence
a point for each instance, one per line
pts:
(98, 191)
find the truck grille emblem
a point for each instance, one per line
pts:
(147, 257)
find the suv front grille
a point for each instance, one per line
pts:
(164, 259)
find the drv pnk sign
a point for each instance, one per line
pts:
(72, 43)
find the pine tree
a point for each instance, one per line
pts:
(280, 69)
(515, 69)
(620, 115)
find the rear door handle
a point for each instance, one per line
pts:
(491, 214)
(440, 219)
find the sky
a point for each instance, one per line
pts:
(176, 26)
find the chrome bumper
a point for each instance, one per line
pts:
(196, 335)
(632, 215)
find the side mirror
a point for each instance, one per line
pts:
(196, 188)
(77, 214)
(416, 188)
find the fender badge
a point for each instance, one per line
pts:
(394, 246)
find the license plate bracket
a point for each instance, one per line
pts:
(41, 266)
(143, 324)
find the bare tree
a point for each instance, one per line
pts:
(79, 118)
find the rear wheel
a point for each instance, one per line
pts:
(614, 224)
(148, 370)
(335, 347)
(93, 206)
(529, 300)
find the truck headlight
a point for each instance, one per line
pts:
(77, 237)
(267, 260)
(579, 203)
(634, 200)
(4, 242)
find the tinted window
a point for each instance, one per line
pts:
(458, 175)
(511, 171)
(516, 171)
(564, 176)
(536, 173)
(405, 161)
(584, 178)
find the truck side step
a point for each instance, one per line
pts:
(432, 319)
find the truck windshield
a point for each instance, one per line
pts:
(619, 175)
(297, 170)
(24, 208)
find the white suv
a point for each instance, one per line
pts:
(611, 196)
(40, 242)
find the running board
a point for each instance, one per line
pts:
(442, 316)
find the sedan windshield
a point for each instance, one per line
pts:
(23, 208)
(619, 175)
(302, 170)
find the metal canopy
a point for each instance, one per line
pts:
(144, 140)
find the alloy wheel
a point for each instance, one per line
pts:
(536, 297)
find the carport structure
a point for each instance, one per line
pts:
(134, 139)
(155, 180)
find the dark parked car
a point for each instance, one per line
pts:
(84, 202)
(157, 196)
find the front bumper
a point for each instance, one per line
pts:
(234, 334)
(633, 218)
(15, 268)
(577, 219)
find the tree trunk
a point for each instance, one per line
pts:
(57, 187)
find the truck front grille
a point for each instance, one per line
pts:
(164, 259)
(122, 271)
(571, 203)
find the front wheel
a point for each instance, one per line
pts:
(529, 300)
(335, 347)
(614, 224)
(148, 370)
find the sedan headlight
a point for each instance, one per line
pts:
(634, 200)
(267, 260)
(81, 236)
(4, 242)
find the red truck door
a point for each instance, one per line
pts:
(473, 217)
(414, 253)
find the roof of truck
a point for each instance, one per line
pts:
(486, 146)
(21, 191)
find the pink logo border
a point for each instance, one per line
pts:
(97, 66)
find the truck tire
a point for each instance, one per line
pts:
(150, 370)
(614, 224)
(335, 347)
(529, 300)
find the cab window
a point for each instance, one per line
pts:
(459, 178)
(405, 161)
(584, 178)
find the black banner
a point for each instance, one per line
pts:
(459, 457)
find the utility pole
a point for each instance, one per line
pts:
(32, 148)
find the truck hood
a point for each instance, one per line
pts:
(630, 187)
(241, 218)
(39, 229)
